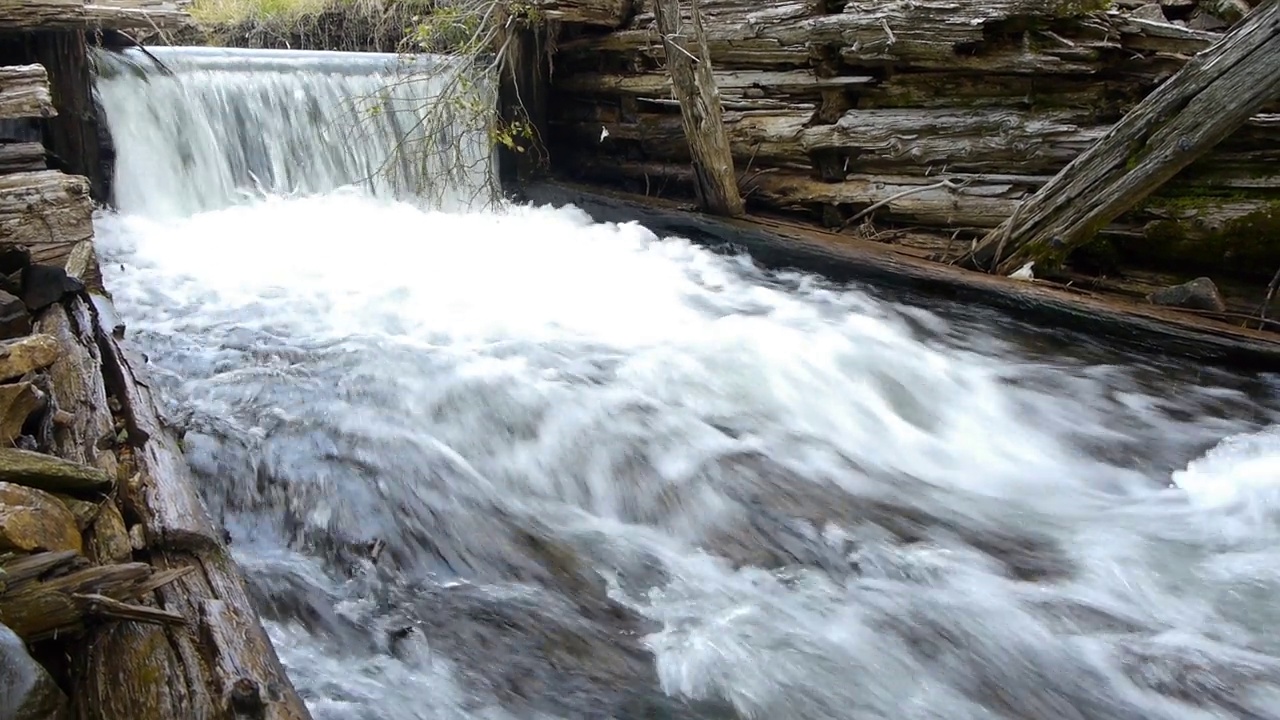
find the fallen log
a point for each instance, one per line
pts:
(228, 668)
(24, 92)
(694, 86)
(47, 211)
(1126, 323)
(1210, 97)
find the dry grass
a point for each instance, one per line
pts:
(309, 24)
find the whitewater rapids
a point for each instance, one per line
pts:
(517, 464)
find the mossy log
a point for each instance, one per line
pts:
(1215, 93)
(24, 92)
(47, 211)
(227, 667)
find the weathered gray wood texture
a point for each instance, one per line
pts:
(1209, 98)
(833, 107)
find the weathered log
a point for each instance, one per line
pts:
(47, 211)
(953, 201)
(27, 15)
(21, 157)
(1130, 324)
(736, 84)
(24, 92)
(600, 13)
(920, 35)
(76, 386)
(1211, 96)
(694, 86)
(178, 533)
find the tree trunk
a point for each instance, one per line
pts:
(1210, 97)
(695, 88)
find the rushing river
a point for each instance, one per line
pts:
(516, 464)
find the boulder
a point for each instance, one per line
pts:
(29, 692)
(86, 511)
(15, 321)
(44, 285)
(1198, 294)
(13, 258)
(109, 542)
(32, 520)
(17, 402)
(21, 356)
(49, 473)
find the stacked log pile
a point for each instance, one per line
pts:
(934, 114)
(118, 597)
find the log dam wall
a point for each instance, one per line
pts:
(951, 110)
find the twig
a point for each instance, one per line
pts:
(948, 184)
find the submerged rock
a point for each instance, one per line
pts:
(50, 473)
(32, 520)
(1198, 294)
(34, 352)
(28, 691)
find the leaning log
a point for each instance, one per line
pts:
(1184, 119)
(24, 92)
(47, 211)
(694, 87)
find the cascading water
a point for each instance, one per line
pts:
(512, 463)
(222, 125)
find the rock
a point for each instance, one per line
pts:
(1151, 11)
(1198, 294)
(44, 285)
(1205, 21)
(85, 511)
(15, 321)
(21, 356)
(29, 692)
(17, 402)
(1231, 11)
(32, 520)
(110, 542)
(13, 258)
(50, 473)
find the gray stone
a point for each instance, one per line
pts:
(1198, 294)
(29, 693)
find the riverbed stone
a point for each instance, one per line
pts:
(17, 403)
(44, 285)
(33, 520)
(29, 693)
(86, 511)
(21, 356)
(49, 473)
(1198, 294)
(15, 321)
(109, 542)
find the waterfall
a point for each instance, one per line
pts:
(205, 128)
